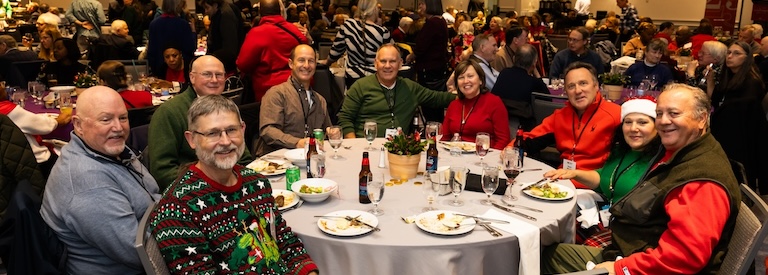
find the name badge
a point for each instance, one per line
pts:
(569, 164)
(605, 217)
(390, 132)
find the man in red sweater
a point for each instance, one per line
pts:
(582, 131)
(680, 217)
(267, 47)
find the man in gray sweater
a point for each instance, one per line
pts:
(98, 190)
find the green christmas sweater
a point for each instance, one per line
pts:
(203, 227)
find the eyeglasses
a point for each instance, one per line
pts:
(573, 40)
(215, 135)
(735, 53)
(209, 75)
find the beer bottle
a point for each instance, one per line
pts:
(364, 176)
(312, 150)
(519, 146)
(432, 155)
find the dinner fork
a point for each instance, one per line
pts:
(488, 228)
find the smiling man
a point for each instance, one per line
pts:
(98, 190)
(384, 97)
(290, 111)
(577, 51)
(229, 223)
(582, 131)
(168, 149)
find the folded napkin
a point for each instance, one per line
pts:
(586, 200)
(528, 237)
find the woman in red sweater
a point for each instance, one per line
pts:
(476, 110)
(495, 29)
(112, 74)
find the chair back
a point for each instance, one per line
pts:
(559, 41)
(139, 138)
(250, 115)
(324, 50)
(134, 67)
(325, 85)
(29, 70)
(146, 246)
(140, 116)
(545, 104)
(748, 234)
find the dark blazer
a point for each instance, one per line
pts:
(15, 55)
(112, 47)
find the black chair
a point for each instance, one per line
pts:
(140, 116)
(134, 67)
(146, 247)
(325, 85)
(250, 115)
(324, 49)
(139, 138)
(28, 70)
(545, 104)
(235, 95)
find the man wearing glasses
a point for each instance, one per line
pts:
(169, 149)
(577, 50)
(220, 217)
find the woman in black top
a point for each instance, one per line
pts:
(66, 66)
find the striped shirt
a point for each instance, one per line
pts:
(360, 56)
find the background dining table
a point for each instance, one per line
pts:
(401, 248)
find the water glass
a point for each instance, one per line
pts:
(430, 189)
(335, 138)
(317, 165)
(18, 96)
(511, 165)
(482, 144)
(490, 182)
(375, 193)
(458, 181)
(434, 130)
(369, 129)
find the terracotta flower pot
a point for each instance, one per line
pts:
(613, 92)
(403, 167)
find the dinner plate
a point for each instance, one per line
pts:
(260, 164)
(337, 226)
(562, 188)
(466, 147)
(291, 198)
(429, 222)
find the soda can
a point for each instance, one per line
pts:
(293, 174)
(319, 137)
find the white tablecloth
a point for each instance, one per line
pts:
(401, 248)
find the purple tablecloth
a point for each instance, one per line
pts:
(62, 131)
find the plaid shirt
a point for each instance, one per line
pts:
(629, 18)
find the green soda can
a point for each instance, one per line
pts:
(292, 175)
(319, 137)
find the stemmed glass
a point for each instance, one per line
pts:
(430, 189)
(652, 80)
(434, 130)
(375, 193)
(490, 182)
(31, 88)
(511, 170)
(458, 181)
(482, 143)
(335, 138)
(369, 129)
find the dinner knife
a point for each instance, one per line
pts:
(523, 207)
(499, 206)
(482, 218)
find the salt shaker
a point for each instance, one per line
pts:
(382, 159)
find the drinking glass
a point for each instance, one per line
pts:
(653, 80)
(490, 182)
(458, 180)
(511, 169)
(53, 81)
(335, 138)
(482, 143)
(369, 129)
(31, 89)
(18, 96)
(434, 130)
(317, 165)
(430, 189)
(65, 103)
(375, 193)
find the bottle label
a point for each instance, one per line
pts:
(520, 156)
(431, 163)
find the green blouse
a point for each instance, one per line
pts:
(624, 170)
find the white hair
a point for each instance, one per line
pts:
(757, 30)
(405, 21)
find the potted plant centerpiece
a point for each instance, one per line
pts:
(84, 81)
(613, 84)
(404, 154)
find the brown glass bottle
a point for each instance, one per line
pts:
(432, 156)
(519, 146)
(312, 150)
(364, 176)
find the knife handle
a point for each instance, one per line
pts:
(522, 215)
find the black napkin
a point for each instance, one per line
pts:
(475, 184)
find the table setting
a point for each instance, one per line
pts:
(434, 217)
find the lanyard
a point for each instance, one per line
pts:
(465, 118)
(489, 68)
(573, 127)
(391, 97)
(615, 177)
(302, 97)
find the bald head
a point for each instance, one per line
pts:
(120, 28)
(764, 46)
(102, 120)
(207, 75)
(269, 7)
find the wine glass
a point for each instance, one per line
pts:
(31, 90)
(458, 180)
(490, 182)
(509, 159)
(335, 138)
(652, 80)
(434, 130)
(369, 129)
(430, 189)
(375, 193)
(317, 165)
(482, 143)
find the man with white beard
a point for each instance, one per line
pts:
(220, 217)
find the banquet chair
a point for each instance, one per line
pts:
(146, 246)
(28, 69)
(545, 104)
(250, 115)
(140, 116)
(234, 94)
(134, 67)
(324, 49)
(325, 85)
(560, 42)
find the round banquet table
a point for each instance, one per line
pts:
(401, 248)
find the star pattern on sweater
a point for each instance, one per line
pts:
(224, 266)
(191, 250)
(224, 197)
(261, 184)
(201, 204)
(245, 191)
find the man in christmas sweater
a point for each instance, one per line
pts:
(219, 217)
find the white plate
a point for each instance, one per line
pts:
(428, 221)
(331, 225)
(257, 165)
(464, 146)
(562, 188)
(297, 156)
(286, 194)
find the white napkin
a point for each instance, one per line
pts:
(528, 237)
(589, 212)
